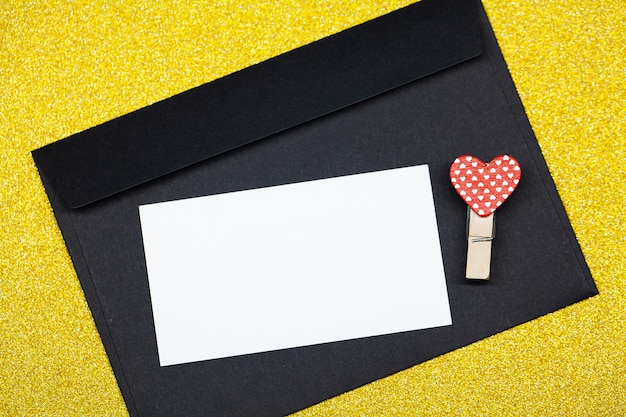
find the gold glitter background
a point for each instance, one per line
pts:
(68, 65)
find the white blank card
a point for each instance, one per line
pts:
(294, 265)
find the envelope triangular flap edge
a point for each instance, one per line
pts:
(280, 93)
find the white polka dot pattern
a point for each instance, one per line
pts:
(485, 186)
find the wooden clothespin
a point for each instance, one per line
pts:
(483, 187)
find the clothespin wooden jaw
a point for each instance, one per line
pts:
(480, 233)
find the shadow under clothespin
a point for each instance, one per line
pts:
(483, 187)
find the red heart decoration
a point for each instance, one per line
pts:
(484, 187)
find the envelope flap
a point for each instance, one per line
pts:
(264, 99)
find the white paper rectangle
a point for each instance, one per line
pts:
(294, 265)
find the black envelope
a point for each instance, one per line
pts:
(421, 85)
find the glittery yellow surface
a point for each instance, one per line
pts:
(67, 66)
